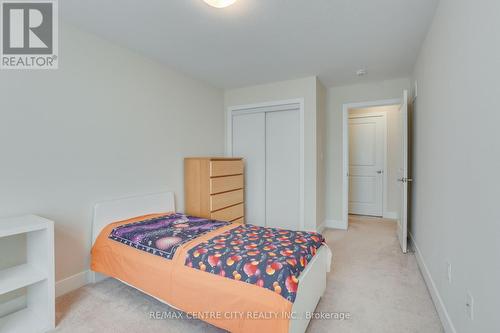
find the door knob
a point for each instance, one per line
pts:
(380, 172)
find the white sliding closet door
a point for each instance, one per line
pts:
(249, 142)
(282, 163)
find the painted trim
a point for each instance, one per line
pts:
(345, 149)
(367, 115)
(334, 224)
(320, 228)
(272, 106)
(391, 215)
(73, 282)
(431, 286)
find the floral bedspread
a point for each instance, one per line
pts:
(162, 235)
(267, 257)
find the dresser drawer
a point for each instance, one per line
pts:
(224, 184)
(240, 220)
(225, 168)
(228, 214)
(226, 199)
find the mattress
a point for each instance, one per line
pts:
(241, 278)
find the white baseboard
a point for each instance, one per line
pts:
(431, 286)
(334, 224)
(391, 215)
(12, 305)
(73, 282)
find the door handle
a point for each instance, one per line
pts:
(380, 172)
(405, 180)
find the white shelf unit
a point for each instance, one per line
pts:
(36, 275)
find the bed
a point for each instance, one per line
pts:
(224, 302)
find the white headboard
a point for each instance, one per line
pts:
(126, 208)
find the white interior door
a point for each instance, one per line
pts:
(403, 220)
(249, 142)
(283, 169)
(366, 164)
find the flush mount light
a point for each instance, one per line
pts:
(361, 72)
(220, 3)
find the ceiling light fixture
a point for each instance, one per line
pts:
(361, 72)
(220, 3)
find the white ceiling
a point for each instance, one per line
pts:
(258, 41)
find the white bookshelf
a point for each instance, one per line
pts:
(36, 275)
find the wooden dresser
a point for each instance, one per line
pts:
(214, 188)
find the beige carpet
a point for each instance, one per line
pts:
(380, 288)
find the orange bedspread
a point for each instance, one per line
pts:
(226, 303)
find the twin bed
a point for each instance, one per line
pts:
(241, 278)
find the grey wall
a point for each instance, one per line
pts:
(321, 153)
(108, 123)
(456, 216)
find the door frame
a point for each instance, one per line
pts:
(273, 106)
(345, 154)
(383, 115)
